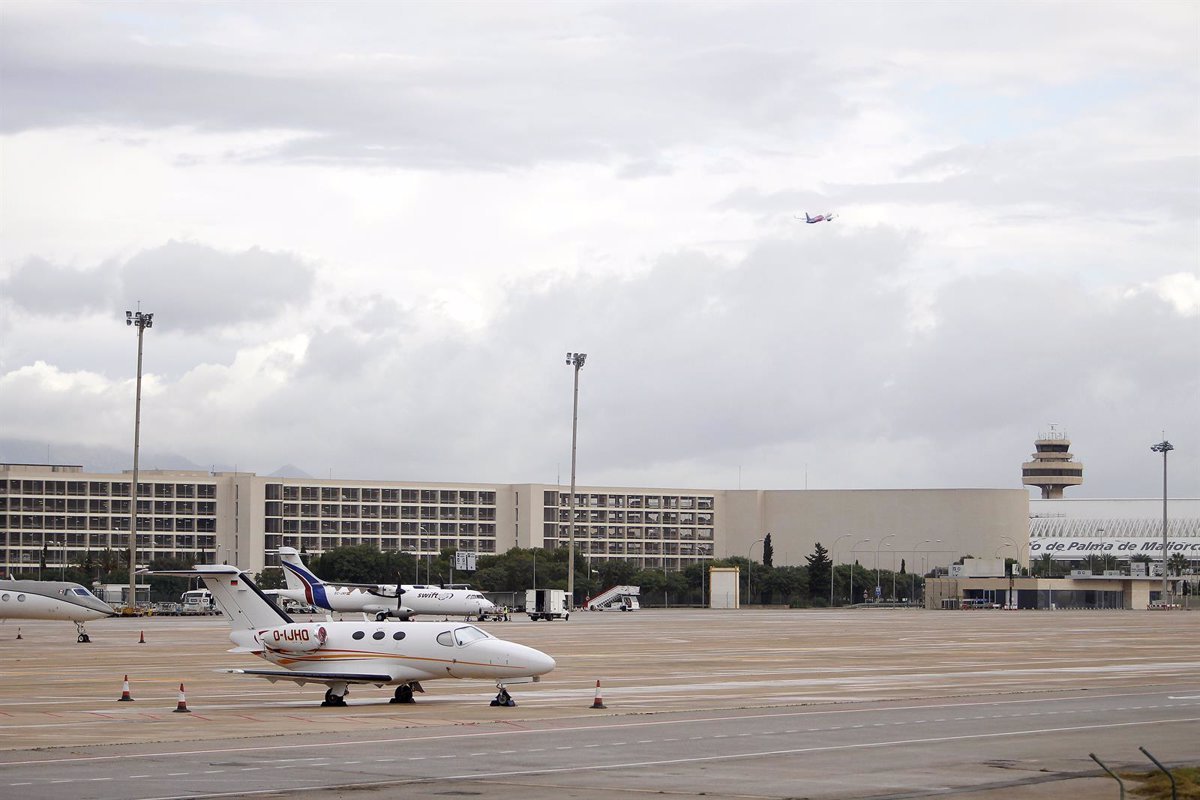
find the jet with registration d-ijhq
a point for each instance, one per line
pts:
(52, 600)
(382, 600)
(818, 218)
(340, 654)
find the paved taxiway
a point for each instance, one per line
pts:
(769, 703)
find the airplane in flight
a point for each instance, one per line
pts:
(818, 218)
(52, 600)
(382, 600)
(379, 653)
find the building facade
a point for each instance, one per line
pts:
(61, 513)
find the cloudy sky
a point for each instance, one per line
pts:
(369, 232)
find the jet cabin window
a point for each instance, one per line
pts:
(461, 636)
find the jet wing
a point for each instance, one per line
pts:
(312, 677)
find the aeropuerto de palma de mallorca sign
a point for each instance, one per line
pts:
(1065, 549)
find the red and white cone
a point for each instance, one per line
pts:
(125, 698)
(599, 701)
(181, 706)
(19, 636)
(142, 637)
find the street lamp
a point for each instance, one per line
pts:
(831, 565)
(749, 568)
(573, 360)
(1164, 447)
(923, 570)
(852, 549)
(878, 588)
(141, 321)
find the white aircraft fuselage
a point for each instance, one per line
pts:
(406, 652)
(50, 600)
(397, 601)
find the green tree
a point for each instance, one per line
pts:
(818, 573)
(1177, 564)
(768, 554)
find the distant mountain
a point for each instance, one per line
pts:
(289, 471)
(110, 459)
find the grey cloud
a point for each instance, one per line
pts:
(194, 287)
(43, 288)
(489, 106)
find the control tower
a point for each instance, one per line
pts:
(1053, 467)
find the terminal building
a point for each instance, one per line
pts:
(236, 517)
(61, 513)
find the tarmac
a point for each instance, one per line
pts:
(58, 694)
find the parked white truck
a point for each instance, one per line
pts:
(546, 604)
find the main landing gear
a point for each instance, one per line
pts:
(404, 693)
(335, 695)
(83, 636)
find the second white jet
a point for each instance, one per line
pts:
(382, 600)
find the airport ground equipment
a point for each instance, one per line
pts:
(616, 598)
(547, 604)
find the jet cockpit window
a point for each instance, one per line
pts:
(469, 634)
(79, 590)
(445, 638)
(475, 596)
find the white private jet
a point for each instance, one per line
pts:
(52, 600)
(382, 600)
(338, 654)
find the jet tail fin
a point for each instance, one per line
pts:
(245, 605)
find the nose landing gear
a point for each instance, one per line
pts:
(503, 698)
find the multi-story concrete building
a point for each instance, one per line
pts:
(237, 517)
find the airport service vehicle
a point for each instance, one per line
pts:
(617, 598)
(380, 653)
(546, 604)
(382, 600)
(52, 600)
(197, 601)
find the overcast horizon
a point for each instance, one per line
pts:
(369, 233)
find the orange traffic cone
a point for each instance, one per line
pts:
(599, 701)
(142, 637)
(125, 698)
(181, 706)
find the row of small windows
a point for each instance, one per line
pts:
(1053, 473)
(639, 548)
(74, 505)
(556, 498)
(354, 527)
(635, 517)
(51, 522)
(274, 508)
(377, 635)
(355, 494)
(400, 544)
(598, 532)
(93, 541)
(107, 489)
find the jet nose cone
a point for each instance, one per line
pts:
(540, 662)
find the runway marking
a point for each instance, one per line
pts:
(666, 762)
(589, 727)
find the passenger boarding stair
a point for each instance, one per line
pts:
(617, 598)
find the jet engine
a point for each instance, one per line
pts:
(295, 638)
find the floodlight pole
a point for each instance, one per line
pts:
(141, 321)
(1164, 447)
(749, 568)
(573, 360)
